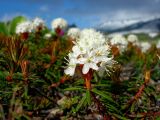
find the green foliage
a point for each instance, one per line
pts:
(3, 28)
(103, 94)
(82, 102)
(10, 27)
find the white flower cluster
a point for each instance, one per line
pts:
(120, 41)
(132, 38)
(152, 35)
(38, 22)
(28, 26)
(74, 33)
(24, 27)
(145, 46)
(158, 45)
(59, 23)
(90, 51)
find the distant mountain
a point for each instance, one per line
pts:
(135, 26)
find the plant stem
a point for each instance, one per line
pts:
(88, 84)
(87, 77)
(140, 90)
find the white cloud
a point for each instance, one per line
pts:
(123, 18)
(128, 14)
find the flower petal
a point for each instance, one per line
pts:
(69, 71)
(94, 66)
(85, 68)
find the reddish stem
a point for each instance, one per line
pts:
(140, 91)
(87, 77)
(24, 36)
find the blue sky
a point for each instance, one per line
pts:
(84, 13)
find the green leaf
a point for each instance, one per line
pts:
(132, 107)
(88, 97)
(102, 94)
(113, 108)
(74, 88)
(46, 58)
(81, 103)
(102, 85)
(15, 22)
(3, 28)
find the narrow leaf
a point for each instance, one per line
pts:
(81, 103)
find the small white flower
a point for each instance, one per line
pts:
(59, 23)
(71, 65)
(119, 41)
(90, 38)
(132, 38)
(71, 68)
(104, 67)
(77, 50)
(101, 53)
(24, 27)
(74, 33)
(158, 44)
(152, 35)
(38, 22)
(47, 35)
(88, 61)
(145, 46)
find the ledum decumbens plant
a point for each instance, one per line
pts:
(90, 54)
